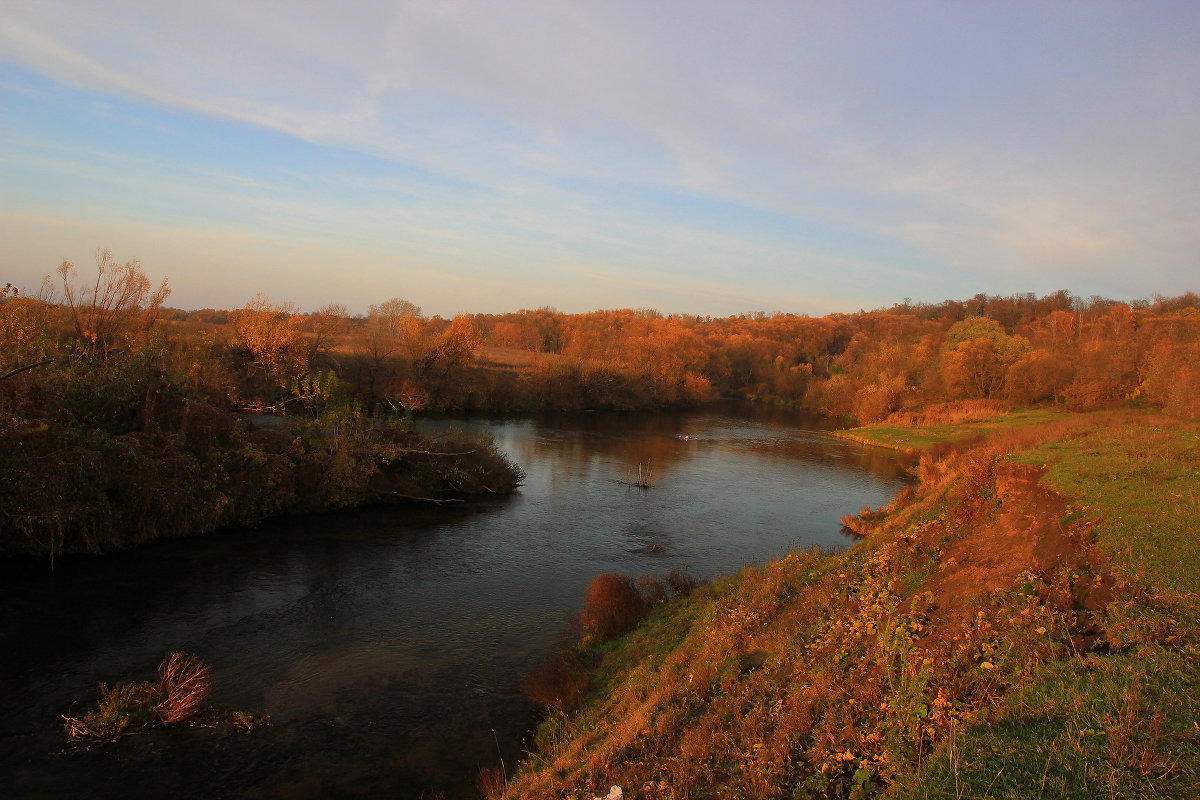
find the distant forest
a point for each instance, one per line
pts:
(274, 358)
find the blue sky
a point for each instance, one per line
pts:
(694, 157)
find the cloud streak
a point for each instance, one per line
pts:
(939, 149)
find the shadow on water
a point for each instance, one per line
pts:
(388, 645)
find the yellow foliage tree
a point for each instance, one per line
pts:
(274, 335)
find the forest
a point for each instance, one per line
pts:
(115, 406)
(1020, 350)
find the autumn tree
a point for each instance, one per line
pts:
(274, 336)
(392, 341)
(25, 339)
(976, 355)
(327, 322)
(1108, 356)
(120, 301)
(454, 346)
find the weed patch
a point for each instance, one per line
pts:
(177, 697)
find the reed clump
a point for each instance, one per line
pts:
(184, 683)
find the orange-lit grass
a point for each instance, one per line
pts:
(916, 436)
(953, 413)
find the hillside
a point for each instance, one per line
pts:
(1024, 624)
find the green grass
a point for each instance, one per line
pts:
(1137, 477)
(923, 437)
(1113, 726)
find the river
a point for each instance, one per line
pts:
(388, 645)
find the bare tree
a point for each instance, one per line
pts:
(324, 324)
(120, 300)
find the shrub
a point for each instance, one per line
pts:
(560, 682)
(613, 606)
(184, 682)
(682, 582)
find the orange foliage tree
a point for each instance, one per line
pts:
(976, 356)
(274, 336)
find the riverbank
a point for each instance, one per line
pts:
(1025, 624)
(74, 489)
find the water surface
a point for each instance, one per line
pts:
(388, 645)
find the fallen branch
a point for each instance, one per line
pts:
(426, 499)
(19, 370)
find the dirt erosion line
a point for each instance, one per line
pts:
(1002, 523)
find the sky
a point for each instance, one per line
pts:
(695, 157)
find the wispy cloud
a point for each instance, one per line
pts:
(613, 145)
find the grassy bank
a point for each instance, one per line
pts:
(922, 434)
(1025, 624)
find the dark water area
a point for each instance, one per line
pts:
(388, 645)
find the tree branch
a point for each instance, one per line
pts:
(19, 370)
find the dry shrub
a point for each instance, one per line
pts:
(613, 605)
(184, 683)
(560, 682)
(491, 781)
(682, 582)
(653, 589)
(953, 413)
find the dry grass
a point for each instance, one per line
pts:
(509, 357)
(952, 413)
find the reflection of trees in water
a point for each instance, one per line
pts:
(566, 449)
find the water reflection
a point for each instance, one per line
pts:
(388, 645)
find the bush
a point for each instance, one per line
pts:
(184, 682)
(613, 606)
(560, 682)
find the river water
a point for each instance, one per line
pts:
(388, 645)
